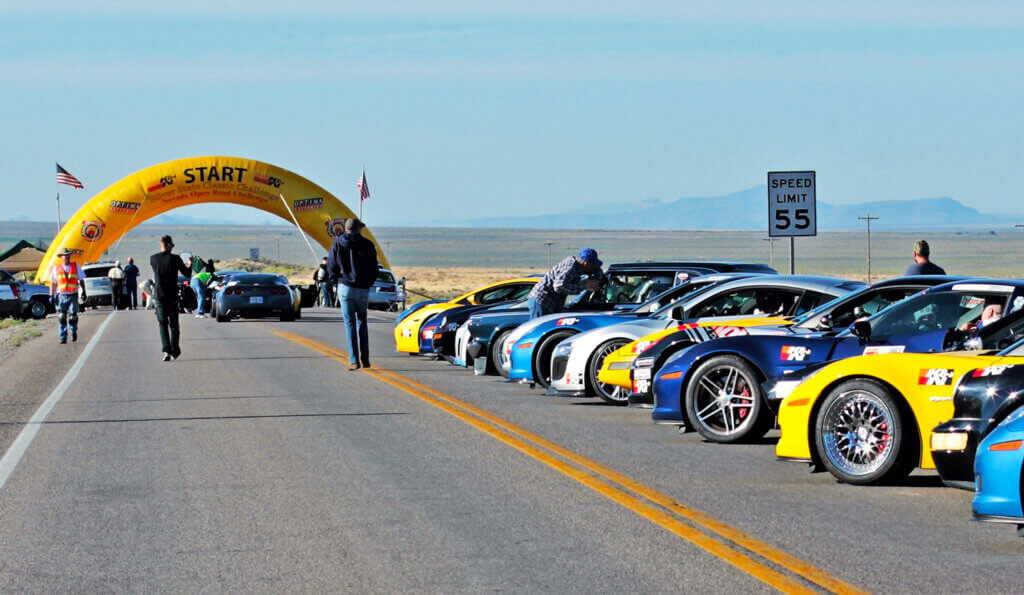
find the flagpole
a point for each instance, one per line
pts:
(362, 180)
(58, 212)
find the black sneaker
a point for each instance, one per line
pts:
(74, 337)
(63, 340)
(167, 357)
(353, 367)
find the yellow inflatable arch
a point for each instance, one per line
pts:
(193, 180)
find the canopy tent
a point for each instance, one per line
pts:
(23, 256)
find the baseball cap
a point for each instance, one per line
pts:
(589, 255)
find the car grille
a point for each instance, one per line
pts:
(558, 366)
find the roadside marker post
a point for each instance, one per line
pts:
(792, 208)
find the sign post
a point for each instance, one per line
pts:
(792, 208)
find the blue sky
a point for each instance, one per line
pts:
(463, 109)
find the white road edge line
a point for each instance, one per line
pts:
(28, 433)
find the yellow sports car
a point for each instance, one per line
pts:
(868, 419)
(407, 326)
(616, 367)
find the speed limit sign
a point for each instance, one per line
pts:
(791, 204)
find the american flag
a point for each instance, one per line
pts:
(64, 177)
(364, 188)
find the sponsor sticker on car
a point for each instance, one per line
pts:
(642, 374)
(794, 353)
(567, 321)
(878, 349)
(935, 377)
(729, 331)
(990, 371)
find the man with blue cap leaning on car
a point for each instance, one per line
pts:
(565, 279)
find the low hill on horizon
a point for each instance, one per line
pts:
(748, 210)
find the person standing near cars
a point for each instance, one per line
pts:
(353, 266)
(166, 267)
(204, 278)
(65, 279)
(322, 280)
(564, 279)
(116, 277)
(198, 266)
(131, 284)
(922, 261)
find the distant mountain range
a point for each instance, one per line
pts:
(748, 209)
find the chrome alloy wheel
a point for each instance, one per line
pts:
(609, 392)
(724, 399)
(857, 432)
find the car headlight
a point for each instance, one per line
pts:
(949, 441)
(782, 389)
(563, 349)
(643, 362)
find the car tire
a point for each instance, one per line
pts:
(222, 318)
(287, 316)
(728, 416)
(37, 309)
(613, 395)
(496, 354)
(542, 356)
(862, 434)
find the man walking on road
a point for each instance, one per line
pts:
(922, 265)
(322, 280)
(564, 279)
(65, 279)
(166, 267)
(353, 266)
(116, 277)
(131, 284)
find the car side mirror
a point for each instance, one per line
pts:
(677, 313)
(862, 330)
(825, 322)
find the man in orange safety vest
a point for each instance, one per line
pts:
(65, 279)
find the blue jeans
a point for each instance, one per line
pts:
(67, 314)
(354, 303)
(535, 310)
(197, 287)
(326, 299)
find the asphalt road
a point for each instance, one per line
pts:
(257, 462)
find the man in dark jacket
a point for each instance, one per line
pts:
(166, 267)
(131, 283)
(353, 267)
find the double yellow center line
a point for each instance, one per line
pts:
(761, 560)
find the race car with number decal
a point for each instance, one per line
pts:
(482, 339)
(999, 473)
(408, 324)
(569, 352)
(716, 386)
(870, 419)
(982, 399)
(633, 366)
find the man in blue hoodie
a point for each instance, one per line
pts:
(353, 267)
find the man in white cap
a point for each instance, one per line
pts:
(65, 279)
(116, 277)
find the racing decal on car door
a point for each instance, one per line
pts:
(935, 377)
(729, 331)
(877, 349)
(991, 371)
(567, 321)
(794, 353)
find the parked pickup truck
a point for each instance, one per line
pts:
(25, 300)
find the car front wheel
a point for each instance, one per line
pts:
(542, 356)
(611, 394)
(498, 353)
(861, 434)
(723, 400)
(37, 309)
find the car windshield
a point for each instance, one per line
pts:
(664, 310)
(934, 311)
(634, 288)
(385, 277)
(844, 311)
(92, 272)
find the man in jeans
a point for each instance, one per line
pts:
(198, 266)
(166, 267)
(353, 266)
(564, 279)
(65, 279)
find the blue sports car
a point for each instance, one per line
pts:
(716, 386)
(998, 474)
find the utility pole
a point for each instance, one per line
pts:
(771, 250)
(387, 249)
(549, 244)
(278, 242)
(868, 219)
